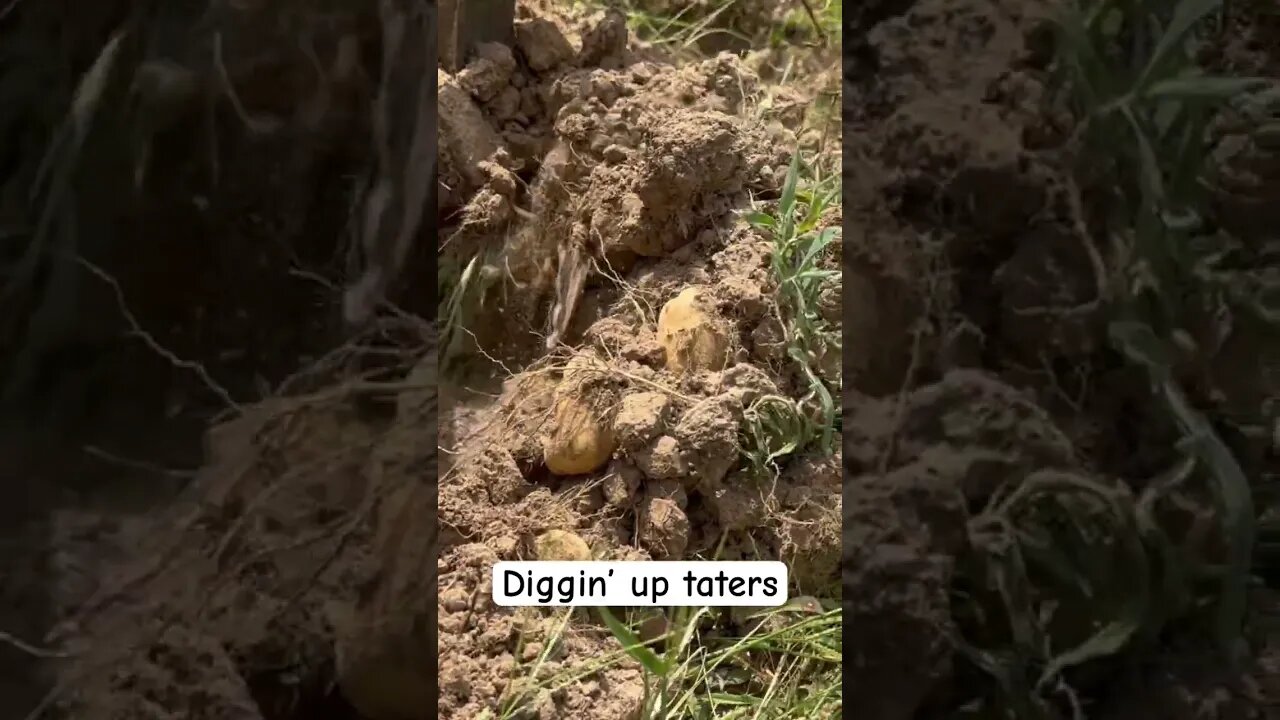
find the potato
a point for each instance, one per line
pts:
(580, 440)
(691, 337)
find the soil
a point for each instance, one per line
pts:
(205, 468)
(585, 148)
(976, 357)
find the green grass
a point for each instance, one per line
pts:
(1074, 569)
(460, 285)
(683, 27)
(678, 31)
(787, 670)
(1147, 106)
(818, 20)
(776, 427)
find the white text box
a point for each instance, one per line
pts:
(654, 583)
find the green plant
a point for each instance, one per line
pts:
(1065, 560)
(680, 30)
(777, 426)
(1074, 564)
(696, 680)
(1147, 106)
(818, 17)
(789, 671)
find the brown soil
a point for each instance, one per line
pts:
(976, 356)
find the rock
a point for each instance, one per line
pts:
(691, 337)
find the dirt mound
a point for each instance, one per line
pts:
(293, 564)
(627, 158)
(218, 153)
(633, 265)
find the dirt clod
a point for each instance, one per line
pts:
(708, 437)
(664, 529)
(543, 45)
(641, 417)
(662, 460)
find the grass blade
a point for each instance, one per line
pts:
(632, 645)
(1188, 14)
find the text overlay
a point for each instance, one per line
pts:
(640, 583)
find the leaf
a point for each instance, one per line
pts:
(1140, 344)
(1152, 176)
(632, 645)
(1188, 14)
(1133, 574)
(1215, 89)
(1235, 500)
(763, 220)
(1109, 640)
(787, 203)
(818, 244)
(1174, 591)
(1076, 47)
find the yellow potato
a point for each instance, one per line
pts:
(580, 440)
(692, 338)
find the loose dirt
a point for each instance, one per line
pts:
(604, 186)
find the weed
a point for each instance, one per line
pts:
(679, 31)
(1099, 557)
(809, 18)
(1136, 82)
(784, 670)
(682, 27)
(459, 288)
(777, 426)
